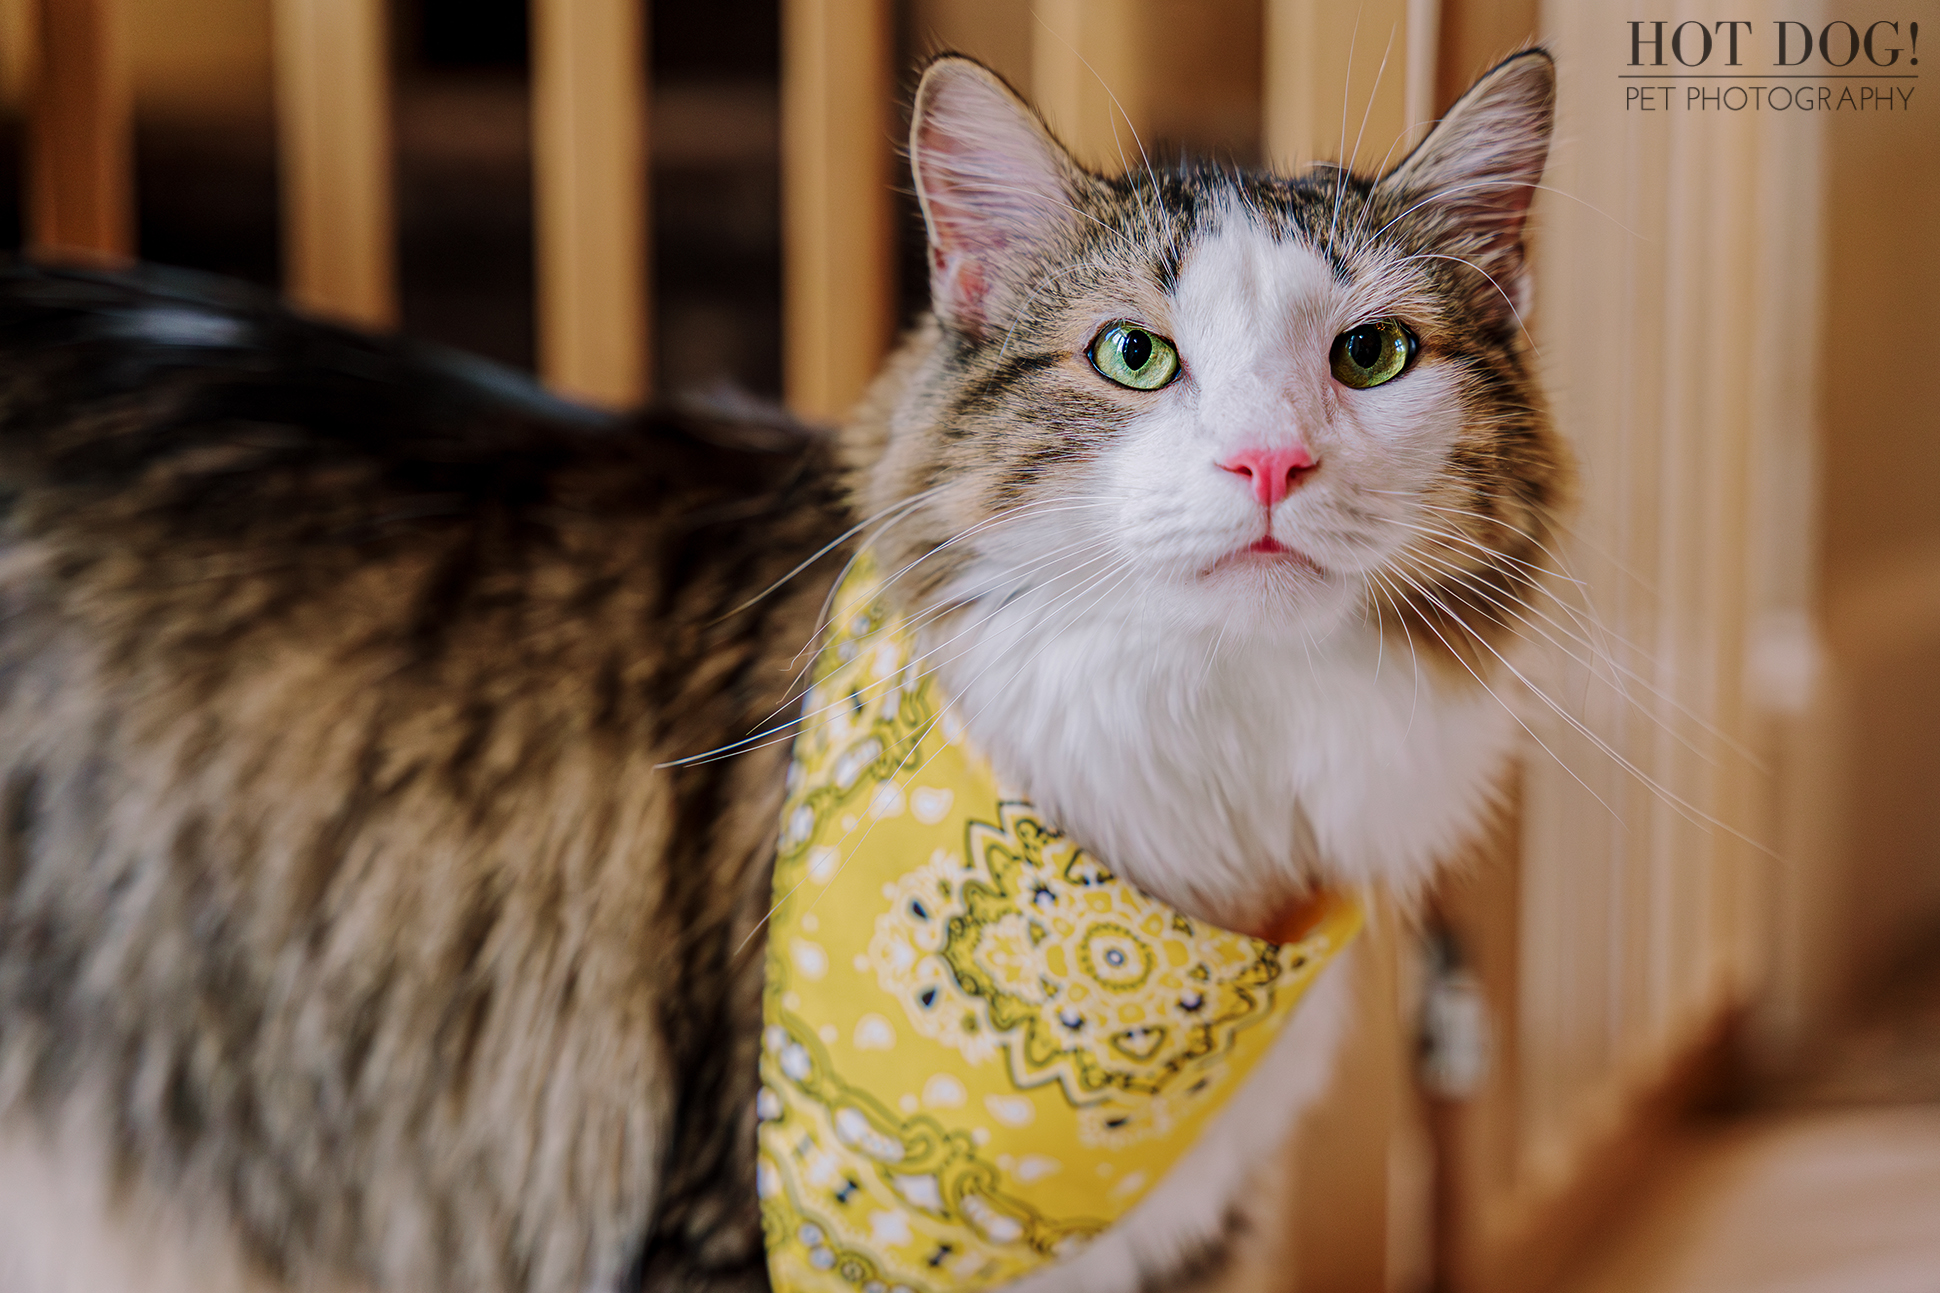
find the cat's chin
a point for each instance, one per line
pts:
(1249, 592)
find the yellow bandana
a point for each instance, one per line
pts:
(979, 1048)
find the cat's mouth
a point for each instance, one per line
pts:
(1266, 552)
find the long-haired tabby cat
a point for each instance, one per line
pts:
(359, 925)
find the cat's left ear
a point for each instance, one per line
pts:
(1470, 181)
(996, 189)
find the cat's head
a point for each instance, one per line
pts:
(1248, 404)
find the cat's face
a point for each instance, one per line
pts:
(1233, 404)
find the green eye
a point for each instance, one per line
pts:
(1134, 357)
(1372, 353)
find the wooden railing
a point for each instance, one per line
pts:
(589, 122)
(1612, 942)
(1638, 916)
(333, 112)
(80, 147)
(838, 256)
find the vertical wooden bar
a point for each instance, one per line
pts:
(1085, 77)
(589, 121)
(1475, 35)
(1337, 82)
(334, 138)
(837, 252)
(19, 52)
(1419, 109)
(1000, 34)
(1342, 1150)
(1479, 906)
(81, 149)
(1807, 702)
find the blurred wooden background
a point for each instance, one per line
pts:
(1727, 828)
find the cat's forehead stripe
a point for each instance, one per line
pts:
(1243, 285)
(1153, 223)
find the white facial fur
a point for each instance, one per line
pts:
(1208, 730)
(1254, 320)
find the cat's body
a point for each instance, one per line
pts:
(349, 919)
(341, 895)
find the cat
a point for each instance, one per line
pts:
(366, 920)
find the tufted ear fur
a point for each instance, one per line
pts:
(1470, 181)
(993, 183)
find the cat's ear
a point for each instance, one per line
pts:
(1470, 181)
(994, 186)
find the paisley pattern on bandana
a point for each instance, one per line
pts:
(980, 1048)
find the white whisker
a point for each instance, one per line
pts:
(1347, 84)
(1510, 709)
(1611, 663)
(829, 547)
(1690, 812)
(1500, 291)
(1029, 509)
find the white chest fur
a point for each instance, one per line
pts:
(1213, 771)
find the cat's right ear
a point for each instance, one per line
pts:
(994, 186)
(1469, 182)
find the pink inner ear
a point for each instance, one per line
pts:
(979, 210)
(958, 286)
(993, 182)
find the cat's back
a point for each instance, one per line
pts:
(342, 898)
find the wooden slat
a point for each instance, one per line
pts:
(81, 151)
(1479, 906)
(589, 120)
(997, 33)
(1343, 1150)
(838, 308)
(19, 51)
(1085, 77)
(1476, 35)
(1420, 106)
(1337, 82)
(334, 139)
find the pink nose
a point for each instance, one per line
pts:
(1273, 473)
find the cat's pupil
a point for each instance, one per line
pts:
(1364, 346)
(1135, 348)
